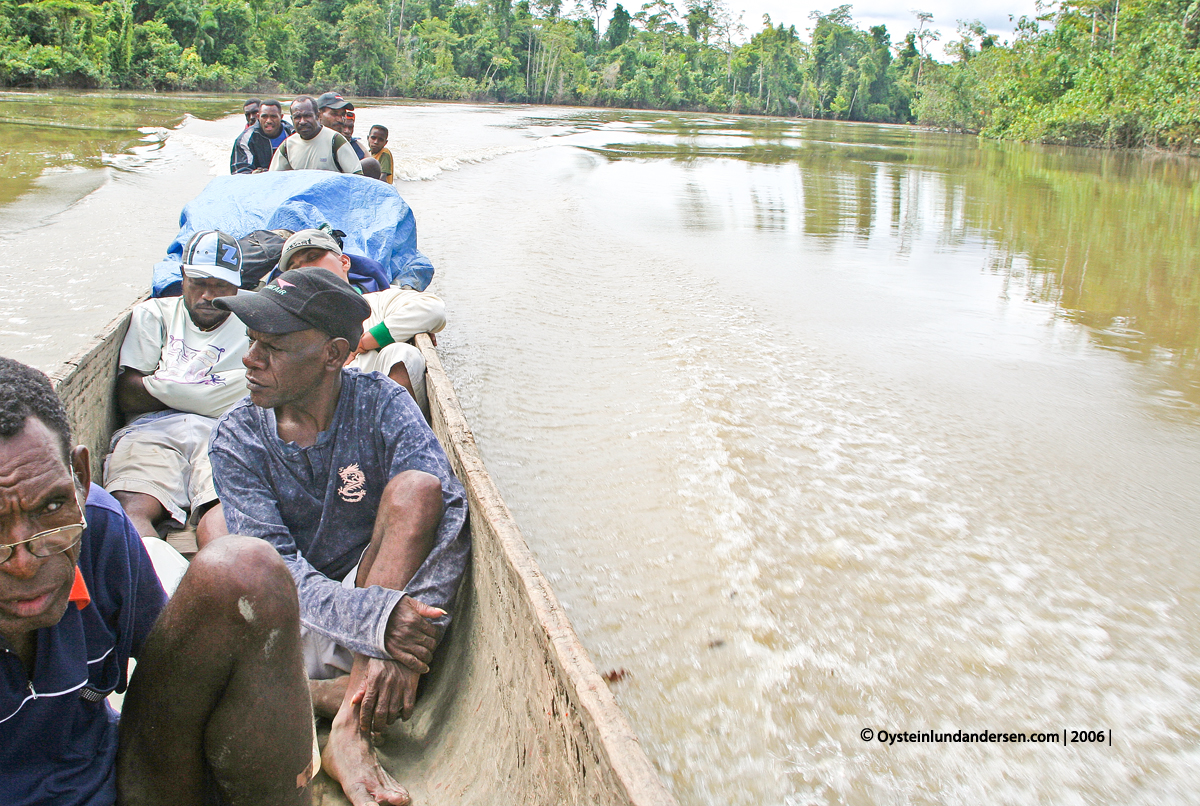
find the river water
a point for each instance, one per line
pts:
(814, 427)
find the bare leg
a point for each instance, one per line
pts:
(211, 525)
(399, 374)
(405, 528)
(144, 510)
(327, 695)
(219, 694)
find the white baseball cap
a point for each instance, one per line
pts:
(212, 253)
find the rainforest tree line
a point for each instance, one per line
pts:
(1095, 72)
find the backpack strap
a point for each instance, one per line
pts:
(339, 140)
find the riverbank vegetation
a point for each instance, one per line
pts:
(1092, 72)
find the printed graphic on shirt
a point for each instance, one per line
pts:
(354, 484)
(183, 364)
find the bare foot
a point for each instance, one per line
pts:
(327, 695)
(350, 759)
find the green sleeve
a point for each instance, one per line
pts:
(382, 334)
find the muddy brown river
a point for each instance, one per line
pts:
(822, 432)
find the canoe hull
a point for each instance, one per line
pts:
(513, 711)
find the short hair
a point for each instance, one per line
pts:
(309, 98)
(25, 392)
(272, 102)
(251, 101)
(381, 128)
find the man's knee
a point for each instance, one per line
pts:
(141, 504)
(243, 578)
(414, 487)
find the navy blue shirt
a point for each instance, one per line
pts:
(317, 505)
(59, 735)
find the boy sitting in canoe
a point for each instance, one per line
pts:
(338, 470)
(217, 709)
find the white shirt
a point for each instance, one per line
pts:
(188, 369)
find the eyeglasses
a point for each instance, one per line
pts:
(47, 543)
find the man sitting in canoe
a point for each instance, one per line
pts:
(338, 470)
(180, 369)
(218, 705)
(397, 314)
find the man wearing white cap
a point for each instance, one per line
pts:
(180, 369)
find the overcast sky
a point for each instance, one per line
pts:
(897, 15)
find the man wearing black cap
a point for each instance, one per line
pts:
(337, 469)
(180, 369)
(333, 108)
(314, 146)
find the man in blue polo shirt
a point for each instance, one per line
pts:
(218, 706)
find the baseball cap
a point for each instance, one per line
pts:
(299, 300)
(331, 100)
(212, 253)
(307, 239)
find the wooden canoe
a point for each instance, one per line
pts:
(513, 711)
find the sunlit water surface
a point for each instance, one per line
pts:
(813, 427)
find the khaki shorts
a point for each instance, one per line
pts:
(383, 359)
(164, 456)
(323, 657)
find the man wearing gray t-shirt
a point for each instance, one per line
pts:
(339, 471)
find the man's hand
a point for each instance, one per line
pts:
(367, 343)
(411, 637)
(388, 690)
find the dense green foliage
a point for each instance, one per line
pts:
(1095, 72)
(656, 56)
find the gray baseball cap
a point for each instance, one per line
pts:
(307, 239)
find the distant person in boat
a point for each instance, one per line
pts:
(180, 369)
(338, 470)
(377, 141)
(250, 109)
(348, 132)
(370, 167)
(254, 147)
(397, 314)
(314, 146)
(218, 707)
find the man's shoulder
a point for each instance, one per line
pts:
(367, 391)
(238, 423)
(158, 311)
(167, 306)
(376, 401)
(100, 502)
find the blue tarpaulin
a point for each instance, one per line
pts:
(377, 222)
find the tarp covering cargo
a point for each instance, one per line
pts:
(377, 222)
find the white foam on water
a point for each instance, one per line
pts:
(886, 578)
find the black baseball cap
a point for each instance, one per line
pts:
(301, 299)
(331, 100)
